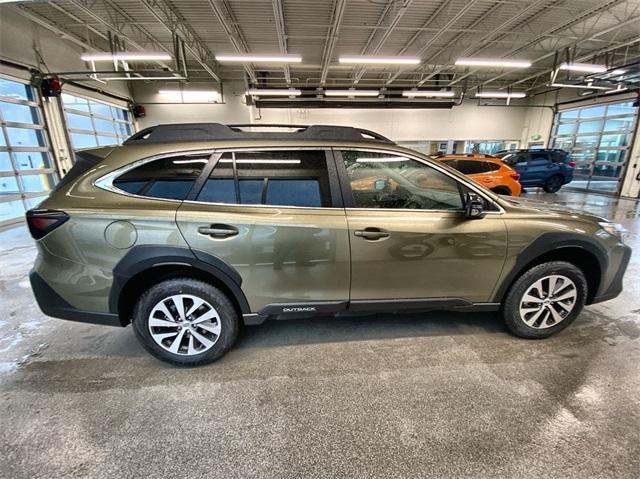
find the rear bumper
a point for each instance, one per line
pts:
(52, 304)
(614, 287)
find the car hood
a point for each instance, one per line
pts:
(537, 206)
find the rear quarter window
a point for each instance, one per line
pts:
(165, 178)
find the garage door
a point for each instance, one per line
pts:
(91, 123)
(599, 139)
(26, 166)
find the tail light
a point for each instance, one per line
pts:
(572, 164)
(43, 222)
(515, 176)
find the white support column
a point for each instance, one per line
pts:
(53, 115)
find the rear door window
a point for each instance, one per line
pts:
(491, 166)
(166, 178)
(277, 178)
(558, 156)
(539, 156)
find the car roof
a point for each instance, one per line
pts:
(471, 157)
(200, 132)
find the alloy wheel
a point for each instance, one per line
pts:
(184, 324)
(548, 301)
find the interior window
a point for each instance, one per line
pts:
(383, 180)
(279, 178)
(168, 178)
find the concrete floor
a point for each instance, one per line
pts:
(431, 395)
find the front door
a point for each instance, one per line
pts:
(409, 236)
(270, 215)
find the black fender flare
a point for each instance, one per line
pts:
(546, 243)
(143, 257)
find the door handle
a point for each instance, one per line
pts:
(371, 233)
(218, 230)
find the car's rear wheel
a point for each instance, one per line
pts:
(553, 183)
(185, 322)
(545, 300)
(502, 190)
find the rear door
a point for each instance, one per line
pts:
(539, 167)
(409, 235)
(478, 171)
(275, 216)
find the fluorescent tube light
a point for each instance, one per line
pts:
(585, 86)
(265, 162)
(379, 60)
(124, 56)
(480, 62)
(382, 160)
(258, 58)
(501, 94)
(426, 93)
(351, 92)
(273, 92)
(583, 67)
(192, 95)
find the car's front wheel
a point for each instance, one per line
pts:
(545, 300)
(185, 322)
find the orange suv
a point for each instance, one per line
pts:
(487, 170)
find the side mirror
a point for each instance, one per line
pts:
(474, 207)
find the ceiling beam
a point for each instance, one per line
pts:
(481, 44)
(630, 21)
(224, 14)
(120, 22)
(372, 49)
(59, 30)
(332, 38)
(169, 18)
(278, 13)
(589, 14)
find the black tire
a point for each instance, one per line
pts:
(229, 322)
(511, 305)
(502, 190)
(553, 183)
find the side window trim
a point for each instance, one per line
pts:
(343, 179)
(204, 174)
(336, 197)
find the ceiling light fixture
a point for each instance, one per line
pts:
(485, 62)
(259, 58)
(209, 96)
(587, 86)
(124, 56)
(426, 93)
(501, 94)
(273, 92)
(367, 59)
(351, 92)
(583, 67)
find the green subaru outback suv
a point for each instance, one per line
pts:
(191, 231)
